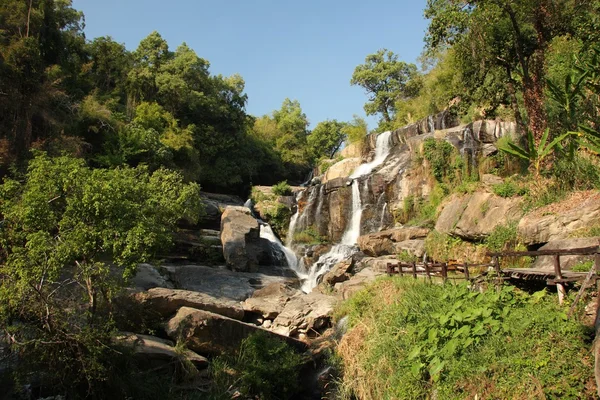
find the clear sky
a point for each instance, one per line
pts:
(303, 49)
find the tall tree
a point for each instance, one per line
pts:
(386, 80)
(511, 36)
(326, 139)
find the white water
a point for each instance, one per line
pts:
(353, 228)
(382, 150)
(267, 233)
(292, 229)
(382, 220)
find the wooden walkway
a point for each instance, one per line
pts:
(557, 276)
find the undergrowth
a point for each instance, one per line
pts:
(411, 339)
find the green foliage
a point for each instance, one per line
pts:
(584, 266)
(282, 189)
(534, 154)
(438, 153)
(503, 237)
(309, 236)
(356, 130)
(508, 188)
(439, 246)
(70, 238)
(325, 164)
(451, 342)
(264, 367)
(386, 80)
(278, 216)
(326, 139)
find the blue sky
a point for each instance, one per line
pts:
(304, 50)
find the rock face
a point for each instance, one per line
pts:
(342, 169)
(270, 301)
(221, 282)
(147, 276)
(213, 334)
(306, 314)
(393, 241)
(560, 220)
(152, 351)
(474, 216)
(213, 204)
(167, 301)
(243, 248)
(566, 262)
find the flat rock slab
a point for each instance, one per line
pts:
(167, 301)
(213, 334)
(152, 350)
(148, 276)
(270, 300)
(385, 242)
(221, 282)
(357, 282)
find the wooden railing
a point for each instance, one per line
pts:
(556, 277)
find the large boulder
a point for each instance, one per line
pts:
(341, 169)
(392, 241)
(243, 247)
(566, 262)
(474, 216)
(167, 301)
(214, 203)
(561, 220)
(154, 352)
(221, 282)
(148, 276)
(270, 301)
(357, 282)
(213, 334)
(307, 314)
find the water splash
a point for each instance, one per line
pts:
(292, 229)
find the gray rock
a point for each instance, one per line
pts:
(566, 262)
(308, 314)
(152, 351)
(544, 225)
(388, 241)
(240, 236)
(213, 334)
(270, 300)
(148, 276)
(221, 282)
(474, 216)
(167, 301)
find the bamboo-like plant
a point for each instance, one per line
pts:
(533, 154)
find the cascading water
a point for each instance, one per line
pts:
(292, 229)
(382, 150)
(430, 124)
(267, 233)
(346, 248)
(382, 220)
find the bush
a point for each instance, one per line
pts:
(309, 236)
(411, 339)
(438, 153)
(508, 189)
(264, 368)
(282, 189)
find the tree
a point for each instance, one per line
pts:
(511, 37)
(356, 130)
(69, 237)
(326, 139)
(386, 80)
(293, 127)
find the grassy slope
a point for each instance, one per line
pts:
(510, 346)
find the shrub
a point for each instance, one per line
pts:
(411, 339)
(438, 153)
(309, 236)
(265, 368)
(508, 189)
(282, 189)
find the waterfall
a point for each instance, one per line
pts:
(292, 229)
(382, 220)
(319, 202)
(430, 124)
(340, 251)
(383, 146)
(267, 233)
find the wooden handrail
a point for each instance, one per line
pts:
(560, 252)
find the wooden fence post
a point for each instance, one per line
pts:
(445, 272)
(597, 325)
(427, 271)
(414, 269)
(560, 288)
(400, 269)
(466, 271)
